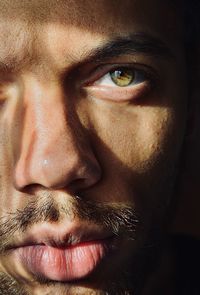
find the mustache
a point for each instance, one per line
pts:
(117, 218)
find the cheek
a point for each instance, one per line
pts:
(137, 136)
(10, 125)
(138, 148)
(5, 169)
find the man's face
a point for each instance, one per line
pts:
(93, 109)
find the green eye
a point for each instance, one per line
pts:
(122, 77)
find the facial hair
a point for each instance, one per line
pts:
(120, 219)
(10, 286)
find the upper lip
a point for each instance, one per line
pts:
(62, 235)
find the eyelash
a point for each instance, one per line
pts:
(144, 80)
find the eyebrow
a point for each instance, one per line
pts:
(140, 43)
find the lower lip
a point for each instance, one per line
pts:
(69, 264)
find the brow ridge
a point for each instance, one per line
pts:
(140, 43)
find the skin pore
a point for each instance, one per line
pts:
(79, 150)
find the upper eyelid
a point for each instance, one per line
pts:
(109, 77)
(102, 70)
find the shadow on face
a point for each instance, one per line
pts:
(69, 130)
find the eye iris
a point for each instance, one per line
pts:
(122, 77)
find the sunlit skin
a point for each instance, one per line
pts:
(68, 128)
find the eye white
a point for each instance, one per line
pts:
(107, 80)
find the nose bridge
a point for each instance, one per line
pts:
(54, 152)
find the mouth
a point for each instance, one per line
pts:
(64, 265)
(64, 258)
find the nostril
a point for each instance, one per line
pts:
(85, 182)
(89, 172)
(79, 176)
(71, 173)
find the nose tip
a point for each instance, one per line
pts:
(71, 172)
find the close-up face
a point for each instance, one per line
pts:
(93, 110)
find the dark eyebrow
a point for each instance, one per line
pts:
(139, 43)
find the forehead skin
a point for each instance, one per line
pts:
(76, 12)
(104, 17)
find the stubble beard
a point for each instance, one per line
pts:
(10, 286)
(117, 218)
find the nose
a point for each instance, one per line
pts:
(54, 150)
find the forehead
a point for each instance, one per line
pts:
(27, 22)
(86, 13)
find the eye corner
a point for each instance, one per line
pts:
(120, 75)
(134, 82)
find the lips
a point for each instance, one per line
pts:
(63, 264)
(63, 257)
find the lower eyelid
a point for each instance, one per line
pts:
(119, 94)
